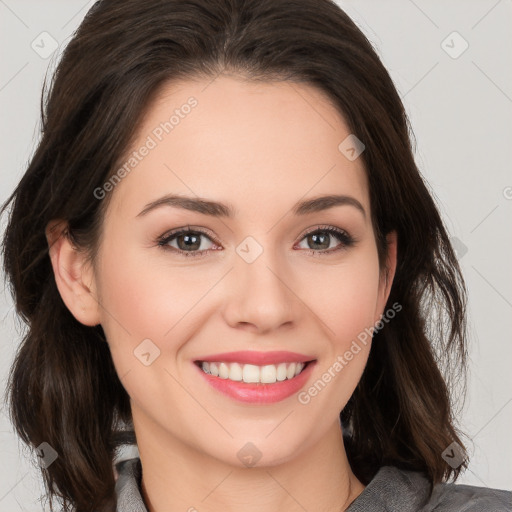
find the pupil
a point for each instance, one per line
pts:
(189, 238)
(317, 237)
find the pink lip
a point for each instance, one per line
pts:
(257, 358)
(257, 392)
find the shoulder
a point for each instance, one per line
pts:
(394, 489)
(469, 498)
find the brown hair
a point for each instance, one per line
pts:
(63, 387)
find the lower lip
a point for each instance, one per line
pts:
(257, 392)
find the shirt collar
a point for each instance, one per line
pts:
(128, 486)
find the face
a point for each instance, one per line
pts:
(179, 283)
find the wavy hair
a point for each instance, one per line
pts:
(63, 388)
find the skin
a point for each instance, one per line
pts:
(261, 147)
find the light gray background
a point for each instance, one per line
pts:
(461, 112)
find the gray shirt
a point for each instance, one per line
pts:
(390, 490)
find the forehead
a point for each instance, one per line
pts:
(252, 144)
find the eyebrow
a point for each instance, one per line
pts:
(216, 209)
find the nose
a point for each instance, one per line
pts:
(261, 295)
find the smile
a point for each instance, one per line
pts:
(250, 373)
(256, 384)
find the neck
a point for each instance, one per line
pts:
(179, 478)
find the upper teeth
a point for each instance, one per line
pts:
(251, 373)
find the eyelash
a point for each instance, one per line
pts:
(345, 239)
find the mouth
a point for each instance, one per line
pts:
(251, 373)
(256, 377)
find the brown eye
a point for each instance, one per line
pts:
(187, 242)
(321, 239)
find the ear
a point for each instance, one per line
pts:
(388, 274)
(73, 274)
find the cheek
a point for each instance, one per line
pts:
(344, 297)
(148, 291)
(143, 299)
(346, 305)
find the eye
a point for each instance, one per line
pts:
(319, 240)
(188, 242)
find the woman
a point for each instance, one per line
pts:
(223, 245)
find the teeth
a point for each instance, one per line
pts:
(251, 373)
(235, 372)
(281, 372)
(223, 371)
(268, 374)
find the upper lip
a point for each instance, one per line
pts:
(257, 358)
